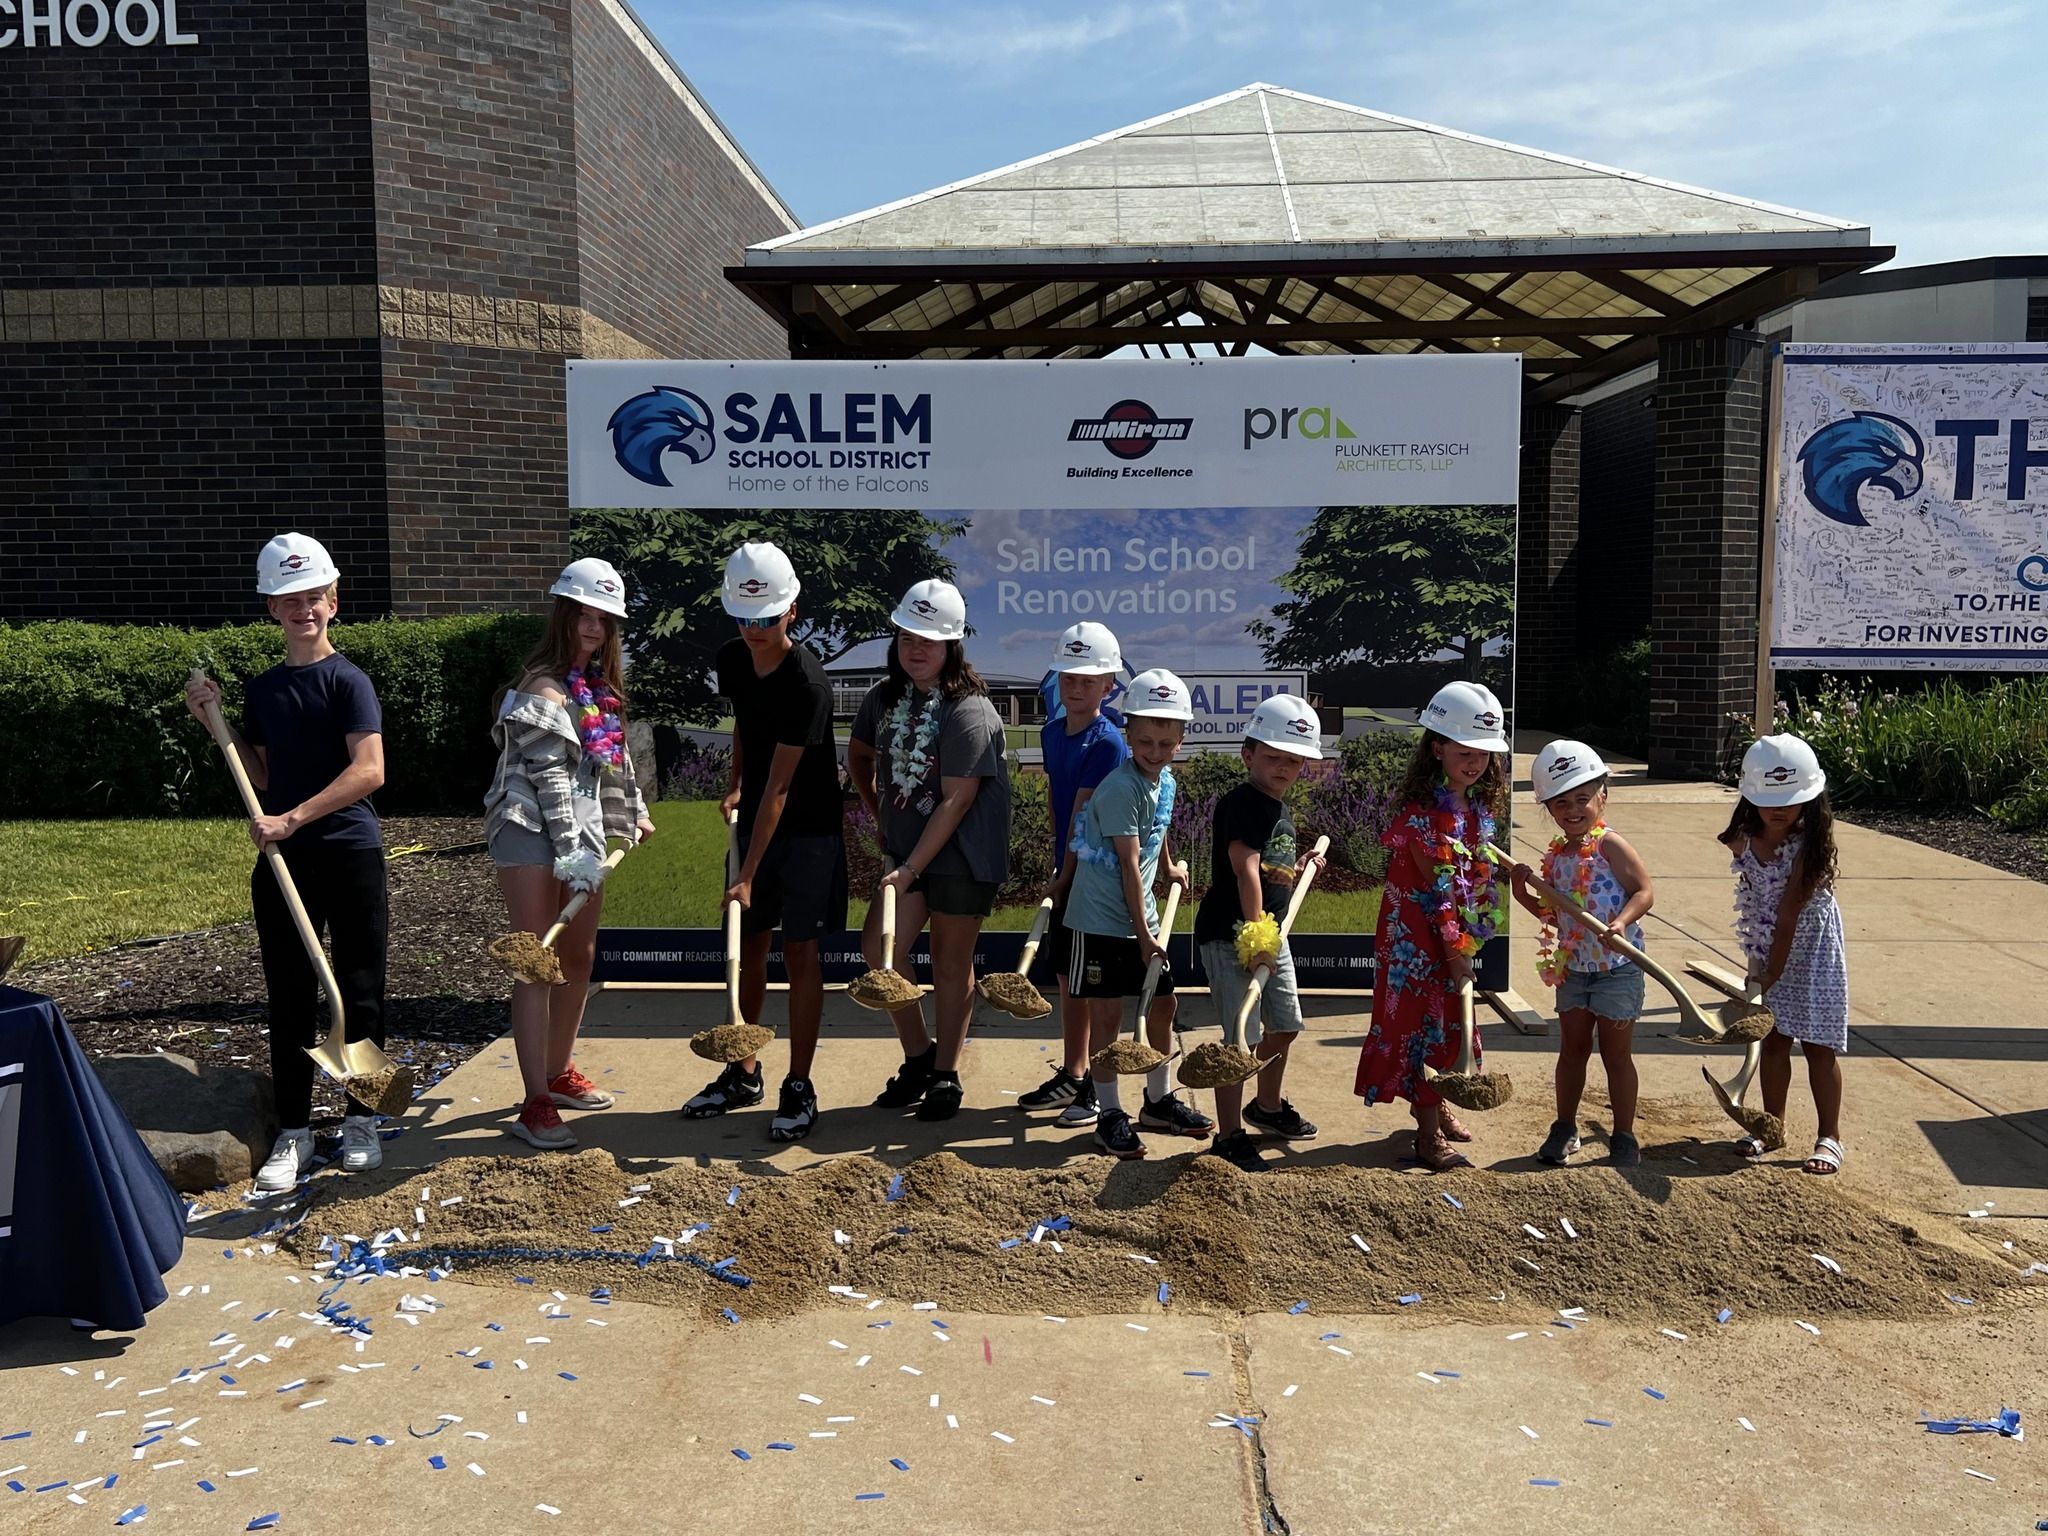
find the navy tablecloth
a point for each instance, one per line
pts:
(88, 1225)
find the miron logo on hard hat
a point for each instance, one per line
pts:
(609, 588)
(292, 562)
(924, 608)
(753, 586)
(1564, 764)
(1077, 647)
(1298, 725)
(1780, 774)
(1487, 718)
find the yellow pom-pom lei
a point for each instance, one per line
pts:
(1259, 936)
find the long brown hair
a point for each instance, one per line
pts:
(1425, 777)
(957, 677)
(1818, 861)
(556, 652)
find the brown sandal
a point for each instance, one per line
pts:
(1452, 1127)
(1439, 1156)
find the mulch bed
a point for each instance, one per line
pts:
(1962, 833)
(200, 993)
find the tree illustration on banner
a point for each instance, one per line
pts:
(1386, 585)
(853, 566)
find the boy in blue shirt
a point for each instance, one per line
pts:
(1082, 748)
(312, 741)
(1119, 851)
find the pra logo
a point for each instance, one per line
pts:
(1869, 448)
(1130, 429)
(1312, 423)
(648, 426)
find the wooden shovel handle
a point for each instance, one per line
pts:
(732, 962)
(1035, 937)
(1158, 965)
(579, 901)
(888, 928)
(218, 729)
(1264, 973)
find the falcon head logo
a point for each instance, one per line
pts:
(1868, 448)
(647, 426)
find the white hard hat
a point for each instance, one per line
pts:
(1781, 770)
(291, 562)
(1468, 714)
(1090, 649)
(1289, 724)
(760, 583)
(934, 610)
(593, 583)
(1158, 692)
(1563, 765)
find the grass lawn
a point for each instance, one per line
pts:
(77, 886)
(676, 880)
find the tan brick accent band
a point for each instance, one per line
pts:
(296, 313)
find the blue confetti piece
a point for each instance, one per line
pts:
(229, 1380)
(227, 1253)
(899, 1464)
(1962, 1301)
(605, 1228)
(732, 1196)
(1010, 1242)
(1058, 1224)
(495, 1327)
(602, 1293)
(883, 1324)
(566, 1375)
(17, 1485)
(262, 1522)
(1409, 1300)
(1452, 1200)
(895, 1191)
(1165, 1291)
(48, 1486)
(112, 1478)
(1724, 1314)
(1194, 1373)
(438, 1463)
(483, 1365)
(728, 1314)
(861, 1498)
(206, 1487)
(19, 1434)
(522, 1279)
(1568, 1327)
(780, 1445)
(1451, 1375)
(1329, 1336)
(1653, 1392)
(130, 1516)
(378, 1440)
(138, 1445)
(1545, 1482)
(1297, 1309)
(743, 1456)
(340, 1440)
(1601, 1423)
(940, 1323)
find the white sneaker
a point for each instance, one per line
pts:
(360, 1148)
(290, 1158)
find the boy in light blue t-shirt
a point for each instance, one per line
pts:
(1119, 850)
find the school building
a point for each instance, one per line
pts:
(319, 263)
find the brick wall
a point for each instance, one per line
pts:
(661, 208)
(1547, 558)
(1710, 427)
(142, 477)
(1617, 497)
(244, 157)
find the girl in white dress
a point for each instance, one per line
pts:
(1783, 845)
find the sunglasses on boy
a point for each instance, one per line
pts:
(768, 623)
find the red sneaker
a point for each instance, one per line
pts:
(572, 1090)
(541, 1125)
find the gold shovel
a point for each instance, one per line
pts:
(1767, 1128)
(534, 960)
(360, 1066)
(735, 1039)
(884, 989)
(1462, 1085)
(1134, 1057)
(1011, 992)
(1218, 1063)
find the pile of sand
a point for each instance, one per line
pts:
(1226, 1242)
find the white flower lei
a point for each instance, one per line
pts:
(910, 748)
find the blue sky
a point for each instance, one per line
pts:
(1919, 117)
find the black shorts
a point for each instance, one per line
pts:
(800, 888)
(952, 894)
(1099, 965)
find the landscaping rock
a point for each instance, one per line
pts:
(203, 1125)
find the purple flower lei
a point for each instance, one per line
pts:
(598, 724)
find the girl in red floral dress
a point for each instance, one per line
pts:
(1439, 906)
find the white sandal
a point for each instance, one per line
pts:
(1750, 1147)
(1828, 1153)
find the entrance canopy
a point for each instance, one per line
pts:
(1268, 218)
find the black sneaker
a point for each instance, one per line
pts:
(1058, 1091)
(1238, 1150)
(1174, 1117)
(1114, 1135)
(1624, 1151)
(942, 1098)
(796, 1111)
(1560, 1144)
(910, 1082)
(1083, 1110)
(1282, 1122)
(731, 1089)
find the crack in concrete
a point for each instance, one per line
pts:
(1271, 1520)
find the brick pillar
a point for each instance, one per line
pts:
(1546, 560)
(1710, 428)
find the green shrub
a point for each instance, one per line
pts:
(1030, 836)
(2026, 808)
(1377, 761)
(1940, 745)
(93, 719)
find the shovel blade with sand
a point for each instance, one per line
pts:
(360, 1066)
(1134, 1057)
(1219, 1063)
(735, 1039)
(1464, 1085)
(534, 960)
(1768, 1129)
(884, 988)
(1011, 992)
(1705, 1030)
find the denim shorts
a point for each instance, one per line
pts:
(1615, 994)
(1279, 1010)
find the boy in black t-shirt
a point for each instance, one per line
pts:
(1253, 863)
(313, 745)
(792, 843)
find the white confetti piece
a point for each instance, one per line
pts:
(1514, 1336)
(1672, 1333)
(629, 1200)
(1051, 1319)
(1530, 1433)
(824, 1434)
(1529, 1263)
(1292, 1388)
(835, 1344)
(1570, 1231)
(1746, 1425)
(479, 1471)
(839, 1418)
(1338, 1349)
(1810, 1328)
(951, 1422)
(924, 1306)
(1973, 1472)
(863, 1360)
(1826, 1263)
(451, 1200)
(1425, 1376)
(1137, 1327)
(1362, 1245)
(840, 1237)
(1536, 1232)
(997, 1434)
(547, 1509)
(910, 1370)
(805, 1397)
(1048, 1402)
(1571, 1312)
(245, 1472)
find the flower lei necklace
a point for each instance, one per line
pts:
(1155, 835)
(910, 746)
(1469, 907)
(1552, 957)
(598, 725)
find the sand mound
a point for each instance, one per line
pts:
(1648, 1247)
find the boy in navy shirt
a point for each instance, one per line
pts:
(1082, 748)
(312, 742)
